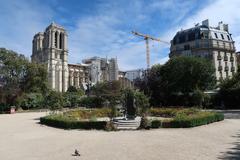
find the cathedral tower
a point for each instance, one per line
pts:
(51, 49)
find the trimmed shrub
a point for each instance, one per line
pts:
(201, 118)
(61, 122)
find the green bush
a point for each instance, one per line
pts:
(54, 100)
(61, 122)
(31, 101)
(4, 108)
(156, 124)
(187, 121)
(71, 99)
(183, 118)
(91, 102)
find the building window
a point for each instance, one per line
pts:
(186, 47)
(60, 40)
(225, 56)
(228, 37)
(221, 76)
(219, 56)
(216, 35)
(222, 36)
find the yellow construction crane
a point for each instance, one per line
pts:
(146, 38)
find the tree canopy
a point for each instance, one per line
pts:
(18, 75)
(179, 76)
(230, 91)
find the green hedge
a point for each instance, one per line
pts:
(184, 121)
(60, 122)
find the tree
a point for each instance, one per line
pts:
(110, 91)
(12, 72)
(141, 102)
(128, 103)
(172, 83)
(35, 79)
(19, 76)
(230, 91)
(30, 101)
(54, 100)
(72, 96)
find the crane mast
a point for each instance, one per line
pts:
(146, 38)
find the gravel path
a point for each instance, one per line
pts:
(22, 138)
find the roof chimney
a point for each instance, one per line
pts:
(205, 23)
(225, 27)
(220, 25)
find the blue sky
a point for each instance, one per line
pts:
(103, 27)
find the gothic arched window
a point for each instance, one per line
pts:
(61, 41)
(56, 39)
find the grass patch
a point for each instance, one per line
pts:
(183, 118)
(80, 114)
(78, 119)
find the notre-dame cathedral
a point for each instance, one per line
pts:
(50, 48)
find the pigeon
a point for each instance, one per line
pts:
(76, 153)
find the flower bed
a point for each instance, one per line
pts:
(78, 119)
(183, 118)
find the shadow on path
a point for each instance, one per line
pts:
(234, 152)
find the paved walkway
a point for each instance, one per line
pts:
(22, 138)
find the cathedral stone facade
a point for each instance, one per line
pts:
(50, 48)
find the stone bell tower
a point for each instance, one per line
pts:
(50, 48)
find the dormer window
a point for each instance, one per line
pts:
(228, 37)
(222, 36)
(216, 35)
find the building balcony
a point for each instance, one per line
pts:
(204, 44)
(220, 68)
(226, 68)
(231, 59)
(219, 57)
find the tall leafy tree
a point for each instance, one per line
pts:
(230, 91)
(180, 76)
(12, 71)
(35, 79)
(18, 75)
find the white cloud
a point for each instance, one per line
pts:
(20, 21)
(216, 11)
(109, 32)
